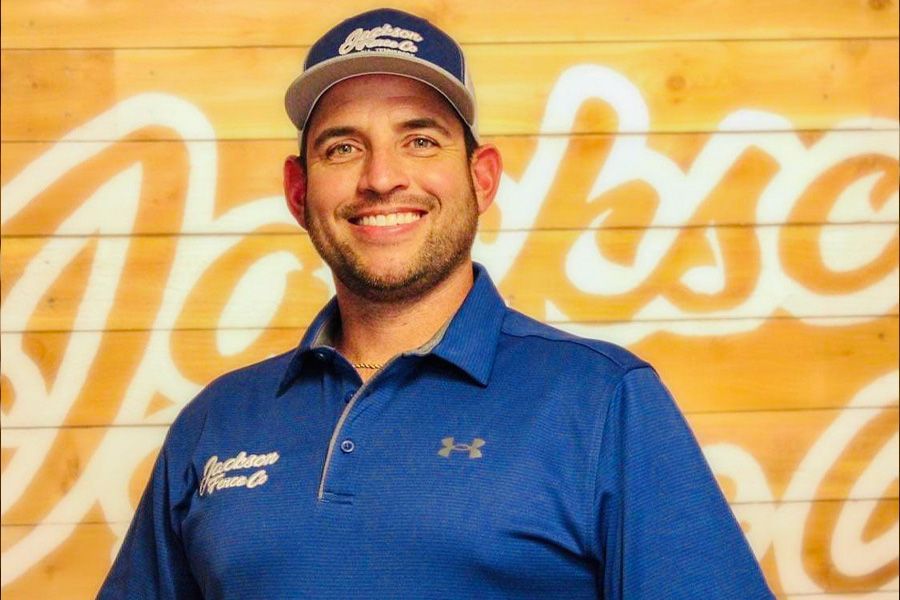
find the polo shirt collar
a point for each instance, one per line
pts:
(312, 339)
(468, 341)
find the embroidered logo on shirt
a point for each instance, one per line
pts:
(216, 473)
(450, 445)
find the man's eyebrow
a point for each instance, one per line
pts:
(331, 132)
(424, 123)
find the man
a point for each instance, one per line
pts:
(424, 441)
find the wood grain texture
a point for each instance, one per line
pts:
(781, 364)
(133, 267)
(76, 569)
(212, 267)
(708, 370)
(687, 86)
(57, 24)
(778, 440)
(250, 170)
(882, 595)
(73, 570)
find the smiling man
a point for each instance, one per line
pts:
(423, 441)
(390, 196)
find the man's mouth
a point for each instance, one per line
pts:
(387, 220)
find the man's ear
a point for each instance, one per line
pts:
(486, 167)
(295, 188)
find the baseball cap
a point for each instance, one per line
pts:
(384, 41)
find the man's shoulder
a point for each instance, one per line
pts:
(259, 377)
(559, 344)
(245, 385)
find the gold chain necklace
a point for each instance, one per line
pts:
(370, 366)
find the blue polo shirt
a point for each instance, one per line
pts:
(503, 459)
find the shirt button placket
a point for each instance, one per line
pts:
(344, 457)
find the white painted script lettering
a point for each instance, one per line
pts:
(32, 423)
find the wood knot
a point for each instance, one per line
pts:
(676, 83)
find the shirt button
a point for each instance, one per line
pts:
(347, 446)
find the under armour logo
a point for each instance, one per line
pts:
(450, 445)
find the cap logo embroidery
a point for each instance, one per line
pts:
(450, 445)
(215, 472)
(366, 39)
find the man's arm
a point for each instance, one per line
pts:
(664, 529)
(152, 562)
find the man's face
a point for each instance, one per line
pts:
(390, 204)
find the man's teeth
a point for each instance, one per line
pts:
(389, 220)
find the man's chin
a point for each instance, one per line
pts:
(396, 283)
(380, 286)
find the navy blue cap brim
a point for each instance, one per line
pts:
(306, 90)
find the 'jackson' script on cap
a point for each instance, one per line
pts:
(364, 39)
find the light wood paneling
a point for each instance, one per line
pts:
(73, 453)
(58, 24)
(782, 364)
(881, 595)
(250, 170)
(193, 356)
(77, 567)
(781, 440)
(212, 266)
(793, 212)
(710, 370)
(778, 440)
(687, 86)
(818, 551)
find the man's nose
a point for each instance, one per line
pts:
(383, 172)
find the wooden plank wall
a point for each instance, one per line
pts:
(712, 184)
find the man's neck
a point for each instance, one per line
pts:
(374, 332)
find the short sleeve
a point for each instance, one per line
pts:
(152, 562)
(663, 528)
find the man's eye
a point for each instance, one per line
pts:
(422, 143)
(340, 150)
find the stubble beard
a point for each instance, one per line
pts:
(440, 255)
